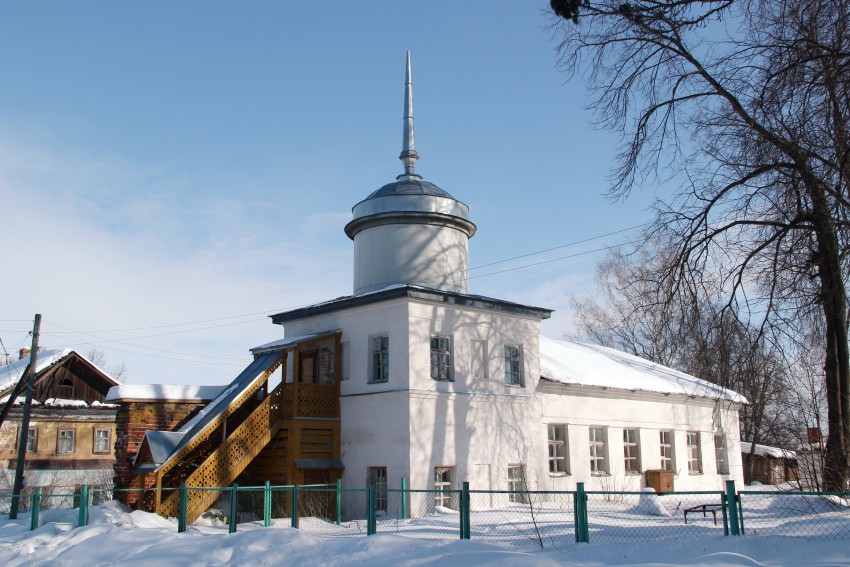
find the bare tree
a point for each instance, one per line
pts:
(744, 105)
(118, 370)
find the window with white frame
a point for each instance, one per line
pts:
(516, 484)
(66, 441)
(513, 365)
(378, 477)
(667, 451)
(32, 440)
(720, 454)
(441, 358)
(558, 463)
(598, 462)
(101, 440)
(379, 360)
(694, 457)
(631, 451)
(443, 495)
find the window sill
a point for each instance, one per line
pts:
(381, 382)
(695, 473)
(634, 474)
(600, 474)
(558, 474)
(515, 385)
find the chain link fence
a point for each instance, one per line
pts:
(820, 515)
(622, 517)
(520, 518)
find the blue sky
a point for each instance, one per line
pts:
(173, 172)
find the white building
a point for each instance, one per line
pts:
(413, 377)
(440, 386)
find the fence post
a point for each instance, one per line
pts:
(465, 512)
(582, 529)
(182, 509)
(267, 504)
(371, 522)
(295, 506)
(338, 500)
(403, 498)
(84, 506)
(35, 508)
(732, 501)
(233, 491)
(723, 505)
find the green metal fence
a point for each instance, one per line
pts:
(521, 518)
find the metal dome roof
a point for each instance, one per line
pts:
(409, 187)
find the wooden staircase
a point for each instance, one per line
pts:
(229, 460)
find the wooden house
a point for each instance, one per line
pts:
(71, 431)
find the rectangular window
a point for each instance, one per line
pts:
(66, 442)
(380, 359)
(479, 360)
(598, 464)
(667, 451)
(558, 449)
(443, 486)
(694, 459)
(513, 365)
(516, 484)
(32, 439)
(101, 440)
(720, 454)
(441, 358)
(378, 477)
(631, 451)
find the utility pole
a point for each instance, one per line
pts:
(25, 421)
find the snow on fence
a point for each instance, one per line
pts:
(521, 518)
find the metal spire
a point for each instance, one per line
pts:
(408, 154)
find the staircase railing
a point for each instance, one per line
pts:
(228, 461)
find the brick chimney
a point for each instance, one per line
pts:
(814, 435)
(24, 352)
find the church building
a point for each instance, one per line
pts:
(412, 376)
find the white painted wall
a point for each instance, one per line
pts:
(478, 425)
(422, 254)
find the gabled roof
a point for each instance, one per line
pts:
(581, 364)
(11, 373)
(160, 445)
(767, 451)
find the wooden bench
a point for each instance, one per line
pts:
(713, 508)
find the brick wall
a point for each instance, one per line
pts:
(131, 422)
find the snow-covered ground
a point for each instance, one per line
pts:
(116, 536)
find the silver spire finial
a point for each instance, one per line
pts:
(408, 154)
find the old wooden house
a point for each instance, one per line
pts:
(71, 431)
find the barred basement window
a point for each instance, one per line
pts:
(631, 451)
(378, 477)
(441, 358)
(443, 495)
(558, 449)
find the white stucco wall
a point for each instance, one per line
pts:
(479, 425)
(429, 255)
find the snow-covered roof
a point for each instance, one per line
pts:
(163, 392)
(767, 451)
(592, 365)
(289, 341)
(11, 373)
